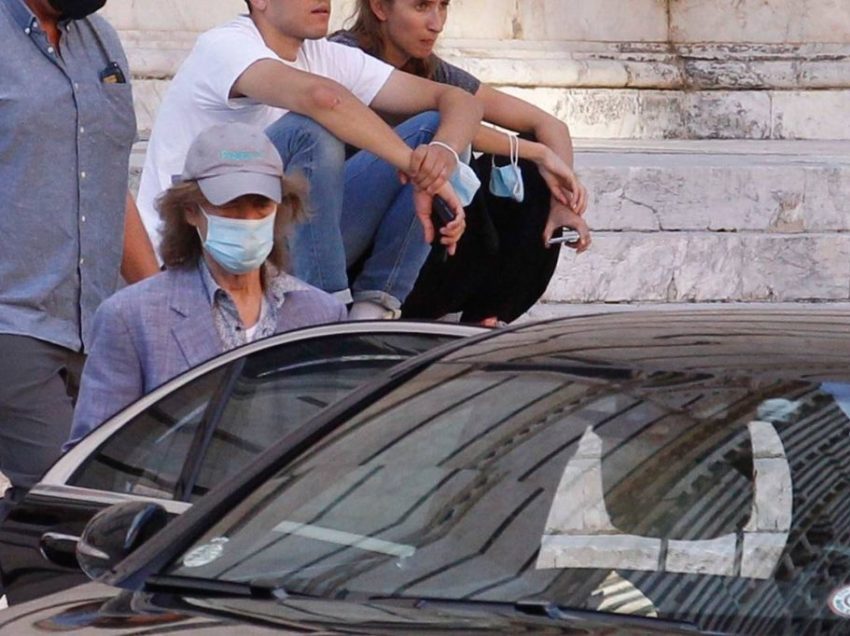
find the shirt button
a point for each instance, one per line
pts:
(50, 50)
(83, 218)
(82, 261)
(82, 129)
(28, 30)
(76, 86)
(83, 174)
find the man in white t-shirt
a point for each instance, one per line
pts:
(273, 68)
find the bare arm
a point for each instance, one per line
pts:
(326, 102)
(460, 112)
(139, 260)
(515, 114)
(334, 107)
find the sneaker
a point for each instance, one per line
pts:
(367, 310)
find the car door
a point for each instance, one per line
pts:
(199, 429)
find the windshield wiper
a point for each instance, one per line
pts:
(555, 612)
(206, 587)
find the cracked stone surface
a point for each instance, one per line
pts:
(704, 266)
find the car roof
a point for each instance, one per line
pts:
(810, 340)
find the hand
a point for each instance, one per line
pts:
(560, 216)
(430, 167)
(563, 182)
(451, 233)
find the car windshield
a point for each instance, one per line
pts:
(719, 498)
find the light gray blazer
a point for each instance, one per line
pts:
(150, 332)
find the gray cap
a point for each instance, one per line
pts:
(231, 160)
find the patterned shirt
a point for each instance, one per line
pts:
(66, 128)
(229, 325)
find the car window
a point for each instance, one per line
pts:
(146, 456)
(210, 428)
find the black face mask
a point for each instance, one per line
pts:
(76, 9)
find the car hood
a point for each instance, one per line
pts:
(99, 609)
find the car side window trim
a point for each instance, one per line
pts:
(204, 434)
(70, 462)
(105, 497)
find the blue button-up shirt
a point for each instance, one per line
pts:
(65, 139)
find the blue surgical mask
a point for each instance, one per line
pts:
(238, 245)
(506, 181)
(465, 183)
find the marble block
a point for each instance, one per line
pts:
(704, 266)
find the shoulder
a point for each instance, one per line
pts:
(327, 49)
(344, 37)
(106, 32)
(103, 27)
(446, 73)
(131, 298)
(241, 28)
(302, 297)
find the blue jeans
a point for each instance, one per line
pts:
(355, 205)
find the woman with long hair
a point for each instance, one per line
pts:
(505, 261)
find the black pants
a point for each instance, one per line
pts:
(501, 267)
(38, 385)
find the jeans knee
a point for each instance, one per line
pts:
(420, 128)
(294, 133)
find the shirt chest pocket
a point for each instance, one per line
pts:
(118, 120)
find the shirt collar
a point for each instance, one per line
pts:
(23, 16)
(278, 283)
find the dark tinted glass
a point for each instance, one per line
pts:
(146, 456)
(280, 389)
(718, 498)
(208, 430)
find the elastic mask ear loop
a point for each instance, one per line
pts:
(515, 162)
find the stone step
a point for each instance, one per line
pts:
(678, 221)
(630, 113)
(706, 221)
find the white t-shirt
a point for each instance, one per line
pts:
(198, 97)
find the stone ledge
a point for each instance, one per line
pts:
(651, 114)
(570, 65)
(771, 186)
(705, 266)
(716, 66)
(546, 310)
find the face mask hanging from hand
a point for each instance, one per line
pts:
(463, 180)
(238, 245)
(76, 9)
(465, 183)
(506, 181)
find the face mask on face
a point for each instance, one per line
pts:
(506, 181)
(238, 245)
(76, 9)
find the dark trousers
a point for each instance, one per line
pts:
(501, 267)
(38, 386)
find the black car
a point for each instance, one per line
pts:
(646, 472)
(194, 432)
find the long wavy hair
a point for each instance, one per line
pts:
(181, 245)
(367, 29)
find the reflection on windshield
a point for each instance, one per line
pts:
(724, 500)
(580, 533)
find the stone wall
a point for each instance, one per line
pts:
(692, 69)
(712, 134)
